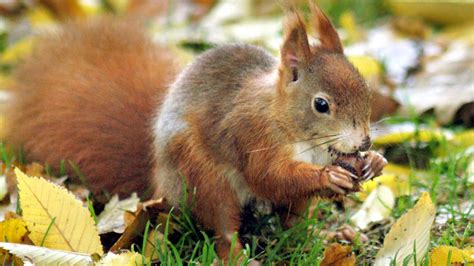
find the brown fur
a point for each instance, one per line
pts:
(88, 95)
(229, 122)
(227, 125)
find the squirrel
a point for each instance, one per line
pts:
(235, 125)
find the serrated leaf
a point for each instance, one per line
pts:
(124, 259)
(44, 256)
(55, 217)
(439, 256)
(413, 228)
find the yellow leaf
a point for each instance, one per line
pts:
(439, 256)
(445, 12)
(413, 228)
(55, 217)
(366, 65)
(40, 17)
(465, 138)
(17, 51)
(13, 230)
(423, 135)
(120, 6)
(394, 176)
(124, 259)
(462, 32)
(348, 23)
(6, 81)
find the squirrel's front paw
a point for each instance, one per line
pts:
(337, 179)
(373, 165)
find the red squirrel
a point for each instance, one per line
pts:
(235, 125)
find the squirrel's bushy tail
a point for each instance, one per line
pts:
(87, 95)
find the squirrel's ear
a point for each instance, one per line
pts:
(295, 51)
(325, 31)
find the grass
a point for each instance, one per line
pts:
(179, 240)
(445, 177)
(265, 239)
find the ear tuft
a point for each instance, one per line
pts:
(295, 51)
(325, 31)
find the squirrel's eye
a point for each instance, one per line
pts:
(321, 105)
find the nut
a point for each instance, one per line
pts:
(353, 163)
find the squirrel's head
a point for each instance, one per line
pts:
(321, 93)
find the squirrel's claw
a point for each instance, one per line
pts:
(339, 180)
(374, 164)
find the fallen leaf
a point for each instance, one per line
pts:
(438, 87)
(3, 187)
(17, 51)
(439, 256)
(13, 230)
(338, 255)
(446, 12)
(40, 17)
(111, 219)
(66, 9)
(123, 259)
(394, 176)
(347, 21)
(40, 256)
(376, 207)
(410, 232)
(409, 134)
(464, 138)
(155, 238)
(34, 169)
(55, 217)
(459, 33)
(137, 222)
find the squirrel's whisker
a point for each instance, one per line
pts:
(292, 143)
(331, 141)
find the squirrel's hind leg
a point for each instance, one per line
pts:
(214, 204)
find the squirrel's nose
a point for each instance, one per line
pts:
(366, 143)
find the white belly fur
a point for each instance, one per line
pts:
(317, 156)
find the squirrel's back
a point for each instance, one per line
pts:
(87, 95)
(209, 87)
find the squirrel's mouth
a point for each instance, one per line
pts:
(337, 153)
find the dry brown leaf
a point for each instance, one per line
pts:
(151, 250)
(137, 222)
(338, 255)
